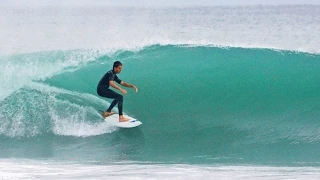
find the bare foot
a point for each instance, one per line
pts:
(123, 119)
(106, 114)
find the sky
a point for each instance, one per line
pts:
(152, 3)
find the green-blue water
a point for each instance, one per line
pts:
(202, 105)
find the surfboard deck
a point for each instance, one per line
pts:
(114, 120)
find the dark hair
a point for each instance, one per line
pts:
(116, 64)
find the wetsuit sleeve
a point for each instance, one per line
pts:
(117, 79)
(111, 77)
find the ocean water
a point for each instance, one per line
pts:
(224, 92)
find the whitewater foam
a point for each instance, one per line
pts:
(36, 106)
(75, 120)
(51, 170)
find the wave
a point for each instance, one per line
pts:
(217, 104)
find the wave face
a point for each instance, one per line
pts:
(198, 104)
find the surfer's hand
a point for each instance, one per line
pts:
(135, 89)
(123, 91)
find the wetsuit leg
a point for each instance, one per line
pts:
(118, 99)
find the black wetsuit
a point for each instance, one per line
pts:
(104, 91)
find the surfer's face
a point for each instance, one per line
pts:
(118, 69)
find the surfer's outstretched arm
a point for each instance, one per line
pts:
(129, 85)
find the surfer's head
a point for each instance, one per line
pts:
(117, 67)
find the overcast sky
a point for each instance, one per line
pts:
(155, 3)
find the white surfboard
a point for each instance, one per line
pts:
(114, 120)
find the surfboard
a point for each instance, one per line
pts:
(114, 120)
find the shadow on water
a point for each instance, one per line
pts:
(120, 145)
(129, 141)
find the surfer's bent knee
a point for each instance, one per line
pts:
(120, 97)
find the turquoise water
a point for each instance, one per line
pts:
(225, 92)
(198, 105)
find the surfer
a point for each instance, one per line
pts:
(103, 90)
